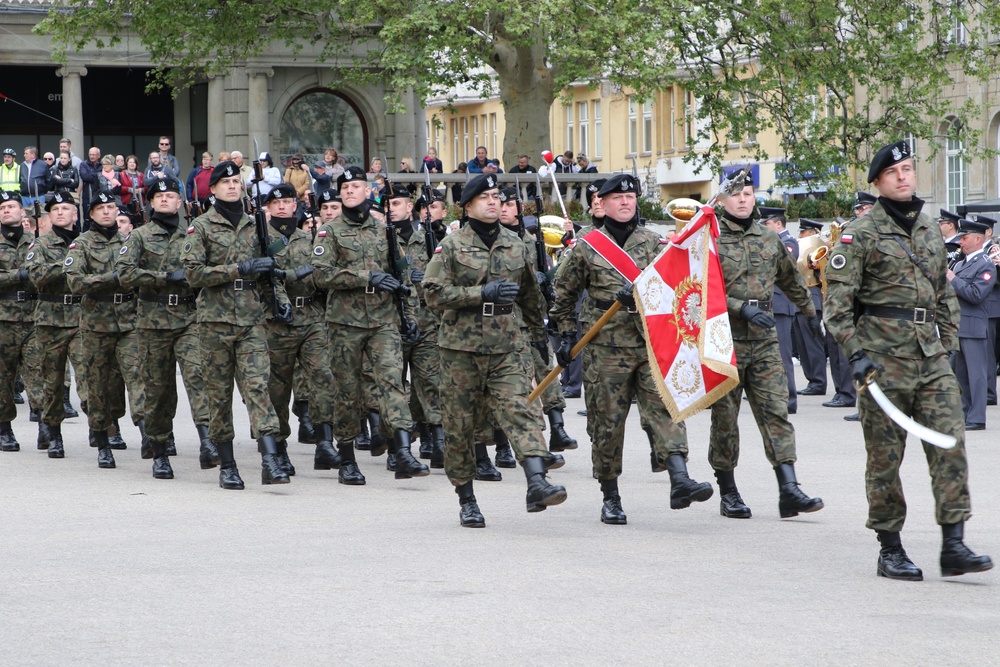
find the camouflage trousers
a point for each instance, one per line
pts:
(369, 388)
(480, 387)
(552, 396)
(54, 346)
(102, 352)
(161, 350)
(300, 383)
(306, 348)
(230, 352)
(762, 376)
(384, 349)
(424, 361)
(611, 377)
(17, 350)
(925, 389)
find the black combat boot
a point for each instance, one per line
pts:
(18, 388)
(731, 505)
(34, 415)
(505, 455)
(349, 472)
(307, 432)
(893, 563)
(406, 465)
(55, 448)
(683, 489)
(390, 460)
(485, 472)
(541, 494)
(270, 468)
(161, 462)
(115, 440)
(171, 445)
(146, 448)
(43, 436)
(68, 411)
(105, 457)
(791, 500)
(437, 452)
(326, 457)
(469, 515)
(426, 443)
(208, 454)
(283, 460)
(364, 441)
(229, 475)
(379, 444)
(559, 439)
(8, 443)
(553, 461)
(612, 512)
(657, 463)
(956, 558)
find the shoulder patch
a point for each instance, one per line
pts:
(847, 238)
(987, 276)
(30, 255)
(319, 250)
(321, 232)
(69, 261)
(437, 250)
(123, 250)
(31, 245)
(191, 229)
(72, 245)
(789, 248)
(187, 247)
(838, 261)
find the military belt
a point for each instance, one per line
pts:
(239, 284)
(489, 309)
(763, 305)
(64, 299)
(169, 299)
(915, 315)
(20, 295)
(117, 297)
(604, 305)
(303, 301)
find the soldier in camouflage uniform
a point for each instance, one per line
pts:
(222, 257)
(890, 306)
(151, 264)
(477, 276)
(303, 341)
(17, 331)
(754, 260)
(352, 262)
(57, 315)
(618, 367)
(107, 323)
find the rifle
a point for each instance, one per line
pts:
(314, 212)
(141, 204)
(396, 263)
(38, 210)
(541, 264)
(430, 241)
(260, 223)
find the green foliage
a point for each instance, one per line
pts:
(827, 207)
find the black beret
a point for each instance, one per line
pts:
(864, 199)
(422, 201)
(6, 195)
(166, 184)
(972, 227)
(103, 197)
(806, 223)
(768, 212)
(949, 216)
(478, 186)
(328, 196)
(738, 182)
(124, 211)
(507, 193)
(225, 169)
(352, 173)
(60, 197)
(283, 191)
(619, 183)
(989, 222)
(399, 191)
(594, 187)
(888, 156)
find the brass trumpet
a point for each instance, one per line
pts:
(552, 232)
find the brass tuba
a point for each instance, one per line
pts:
(814, 252)
(552, 232)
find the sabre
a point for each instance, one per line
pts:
(905, 422)
(547, 156)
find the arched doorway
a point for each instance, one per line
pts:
(321, 119)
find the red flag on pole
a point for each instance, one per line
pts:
(682, 298)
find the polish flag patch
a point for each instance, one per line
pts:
(72, 245)
(437, 250)
(321, 233)
(789, 248)
(847, 238)
(987, 276)
(191, 229)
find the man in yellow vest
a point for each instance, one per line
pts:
(10, 172)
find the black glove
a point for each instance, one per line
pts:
(383, 282)
(303, 271)
(284, 313)
(542, 279)
(755, 315)
(563, 355)
(627, 297)
(500, 291)
(952, 357)
(416, 276)
(22, 276)
(814, 327)
(403, 290)
(175, 276)
(543, 349)
(113, 278)
(249, 267)
(551, 328)
(862, 367)
(411, 332)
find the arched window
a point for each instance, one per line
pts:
(319, 120)
(956, 169)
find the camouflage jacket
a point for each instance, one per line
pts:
(45, 262)
(462, 264)
(149, 253)
(308, 302)
(12, 260)
(345, 256)
(753, 262)
(106, 307)
(415, 251)
(584, 269)
(210, 255)
(868, 267)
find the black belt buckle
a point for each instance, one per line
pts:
(920, 316)
(633, 310)
(753, 302)
(20, 296)
(238, 285)
(369, 289)
(300, 302)
(173, 299)
(117, 298)
(488, 309)
(67, 299)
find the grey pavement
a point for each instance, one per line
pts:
(112, 567)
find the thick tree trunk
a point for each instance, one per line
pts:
(527, 90)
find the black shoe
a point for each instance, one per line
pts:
(363, 441)
(379, 444)
(34, 415)
(956, 558)
(469, 515)
(791, 500)
(426, 443)
(505, 455)
(856, 417)
(485, 472)
(540, 494)
(559, 440)
(656, 463)
(171, 445)
(105, 457)
(229, 477)
(989, 401)
(18, 399)
(838, 403)
(68, 411)
(811, 391)
(8, 443)
(731, 504)
(975, 426)
(55, 447)
(116, 441)
(307, 432)
(161, 463)
(283, 460)
(43, 436)
(390, 461)
(683, 489)
(271, 471)
(350, 474)
(406, 466)
(208, 454)
(326, 457)
(611, 511)
(582, 413)
(893, 563)
(145, 446)
(553, 461)
(793, 411)
(437, 452)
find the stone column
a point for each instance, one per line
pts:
(72, 106)
(216, 114)
(258, 110)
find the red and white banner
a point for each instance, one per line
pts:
(682, 298)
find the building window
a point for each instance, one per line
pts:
(956, 168)
(597, 130)
(734, 132)
(493, 133)
(465, 141)
(689, 111)
(455, 155)
(956, 29)
(427, 134)
(475, 131)
(583, 118)
(647, 126)
(569, 127)
(911, 142)
(633, 140)
(316, 121)
(673, 119)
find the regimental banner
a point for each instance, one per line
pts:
(682, 298)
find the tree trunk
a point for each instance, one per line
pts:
(527, 90)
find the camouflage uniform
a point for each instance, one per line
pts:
(482, 369)
(423, 356)
(17, 331)
(867, 269)
(552, 396)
